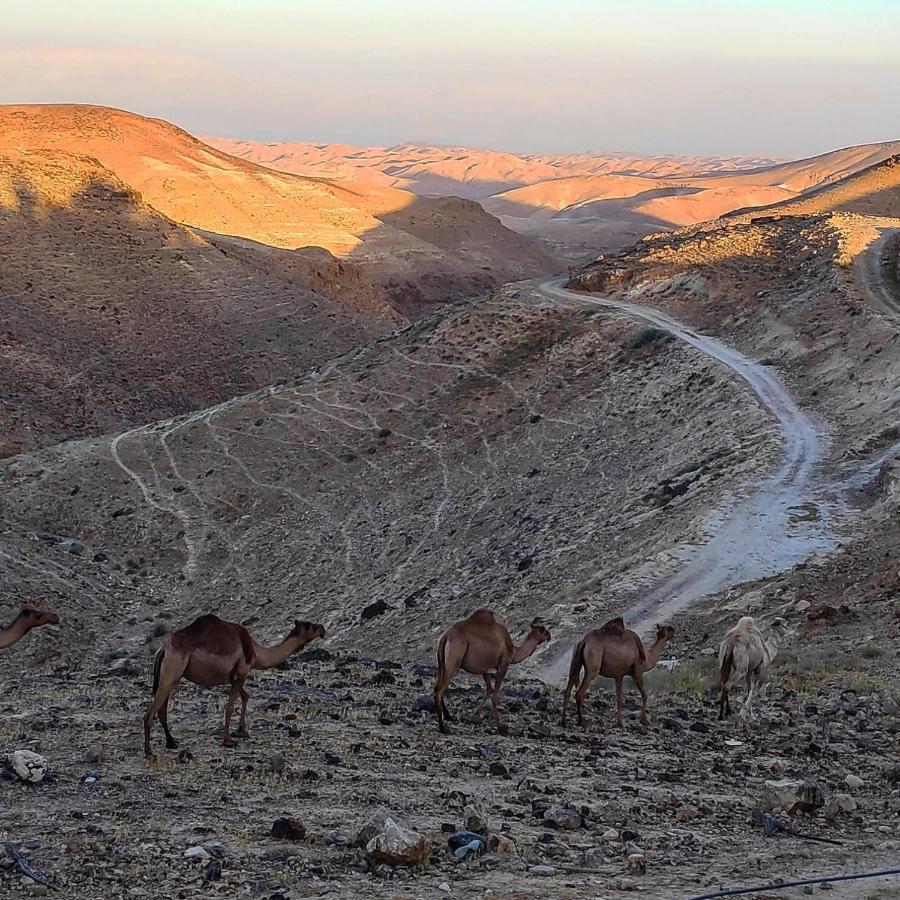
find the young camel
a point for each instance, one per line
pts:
(210, 652)
(613, 651)
(746, 653)
(29, 617)
(480, 645)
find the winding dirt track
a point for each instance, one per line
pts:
(778, 520)
(872, 269)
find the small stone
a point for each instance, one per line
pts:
(499, 770)
(197, 854)
(890, 706)
(564, 817)
(30, 767)
(802, 605)
(95, 755)
(637, 864)
(444, 886)
(665, 797)
(854, 782)
(286, 829)
(610, 836)
(543, 871)
(686, 813)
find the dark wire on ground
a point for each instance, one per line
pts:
(733, 892)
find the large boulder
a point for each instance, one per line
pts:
(30, 767)
(793, 796)
(395, 845)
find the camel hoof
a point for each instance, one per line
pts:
(443, 729)
(242, 733)
(228, 741)
(171, 745)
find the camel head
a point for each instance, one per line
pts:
(34, 616)
(307, 631)
(665, 633)
(539, 633)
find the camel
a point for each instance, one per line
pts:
(613, 651)
(29, 617)
(210, 652)
(746, 653)
(480, 645)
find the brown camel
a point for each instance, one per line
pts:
(480, 645)
(210, 652)
(30, 616)
(613, 651)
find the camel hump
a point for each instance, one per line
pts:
(614, 626)
(481, 617)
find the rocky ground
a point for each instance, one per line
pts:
(664, 811)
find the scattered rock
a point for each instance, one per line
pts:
(790, 796)
(542, 871)
(637, 864)
(686, 813)
(378, 608)
(395, 845)
(854, 782)
(197, 854)
(30, 767)
(287, 829)
(567, 818)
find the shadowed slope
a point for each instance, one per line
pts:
(113, 315)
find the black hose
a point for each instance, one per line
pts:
(733, 892)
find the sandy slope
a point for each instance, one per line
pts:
(112, 314)
(196, 184)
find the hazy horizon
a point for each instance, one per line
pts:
(766, 78)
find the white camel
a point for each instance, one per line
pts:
(746, 653)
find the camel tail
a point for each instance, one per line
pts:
(441, 659)
(157, 666)
(577, 663)
(726, 663)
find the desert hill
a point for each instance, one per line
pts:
(113, 315)
(581, 203)
(379, 228)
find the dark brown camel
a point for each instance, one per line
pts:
(480, 645)
(29, 617)
(613, 651)
(210, 652)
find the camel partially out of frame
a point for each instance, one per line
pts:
(210, 652)
(480, 645)
(613, 651)
(744, 655)
(30, 616)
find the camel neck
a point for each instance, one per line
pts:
(524, 650)
(269, 657)
(654, 653)
(12, 634)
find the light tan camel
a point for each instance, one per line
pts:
(613, 651)
(746, 653)
(29, 617)
(210, 652)
(480, 645)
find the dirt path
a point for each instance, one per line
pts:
(778, 521)
(872, 270)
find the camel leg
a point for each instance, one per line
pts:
(495, 697)
(488, 689)
(618, 702)
(242, 724)
(724, 703)
(581, 693)
(452, 663)
(238, 677)
(638, 679)
(747, 708)
(573, 680)
(171, 744)
(170, 672)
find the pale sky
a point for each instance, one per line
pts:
(768, 77)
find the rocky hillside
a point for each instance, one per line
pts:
(384, 230)
(113, 315)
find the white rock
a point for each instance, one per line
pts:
(802, 605)
(197, 853)
(443, 886)
(543, 871)
(30, 767)
(854, 782)
(397, 846)
(610, 836)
